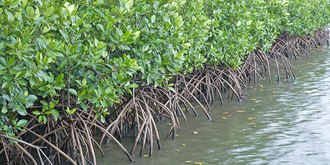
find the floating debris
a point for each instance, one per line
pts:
(251, 118)
(240, 111)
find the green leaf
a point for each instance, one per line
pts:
(239, 23)
(30, 11)
(32, 98)
(44, 119)
(49, 11)
(153, 19)
(24, 3)
(133, 85)
(4, 84)
(70, 9)
(129, 4)
(9, 15)
(83, 92)
(73, 91)
(249, 22)
(102, 119)
(37, 113)
(178, 21)
(4, 109)
(70, 111)
(55, 114)
(145, 47)
(37, 14)
(40, 118)
(108, 90)
(21, 123)
(52, 105)
(59, 79)
(172, 89)
(2, 45)
(84, 82)
(21, 111)
(124, 47)
(64, 35)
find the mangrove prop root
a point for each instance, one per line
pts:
(147, 103)
(71, 140)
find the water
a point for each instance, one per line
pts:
(284, 123)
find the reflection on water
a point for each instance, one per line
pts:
(284, 123)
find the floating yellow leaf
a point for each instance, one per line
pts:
(223, 118)
(225, 113)
(195, 132)
(253, 99)
(145, 156)
(188, 161)
(250, 118)
(240, 111)
(183, 145)
(198, 163)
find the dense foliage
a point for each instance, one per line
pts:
(306, 16)
(56, 56)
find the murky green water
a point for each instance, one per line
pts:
(284, 123)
